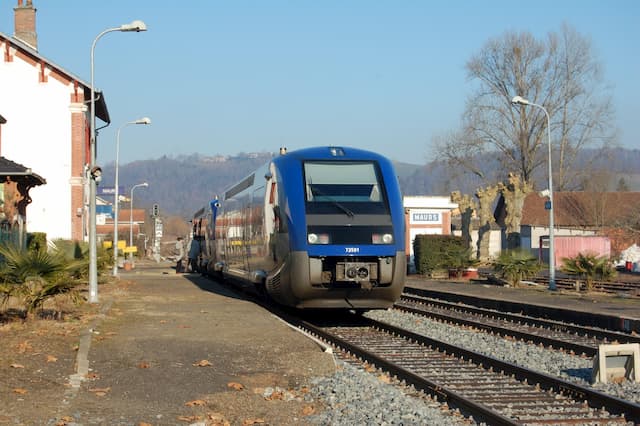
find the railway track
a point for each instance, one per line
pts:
(564, 314)
(482, 387)
(558, 335)
(630, 288)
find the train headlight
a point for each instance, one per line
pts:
(318, 238)
(363, 273)
(382, 238)
(351, 272)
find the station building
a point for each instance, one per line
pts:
(426, 215)
(47, 128)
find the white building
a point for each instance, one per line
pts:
(47, 128)
(425, 215)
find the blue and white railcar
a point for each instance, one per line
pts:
(314, 228)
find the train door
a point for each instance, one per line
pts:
(255, 230)
(271, 220)
(233, 234)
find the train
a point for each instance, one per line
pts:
(315, 228)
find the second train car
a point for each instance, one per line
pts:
(313, 228)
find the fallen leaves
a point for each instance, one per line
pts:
(64, 421)
(195, 403)
(144, 365)
(275, 395)
(24, 347)
(384, 378)
(190, 419)
(202, 363)
(217, 419)
(308, 410)
(20, 391)
(51, 358)
(235, 386)
(100, 391)
(618, 380)
(211, 419)
(249, 422)
(17, 366)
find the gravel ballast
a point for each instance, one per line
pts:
(354, 396)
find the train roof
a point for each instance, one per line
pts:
(287, 159)
(333, 153)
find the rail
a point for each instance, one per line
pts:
(486, 388)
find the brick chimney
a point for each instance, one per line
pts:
(25, 23)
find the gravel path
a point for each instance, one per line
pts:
(382, 404)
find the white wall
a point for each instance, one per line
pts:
(539, 231)
(37, 135)
(495, 241)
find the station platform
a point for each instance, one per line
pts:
(622, 311)
(180, 348)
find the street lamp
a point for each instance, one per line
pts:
(145, 184)
(116, 202)
(519, 100)
(136, 26)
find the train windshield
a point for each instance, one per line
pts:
(350, 187)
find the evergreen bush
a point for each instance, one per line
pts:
(434, 252)
(516, 265)
(589, 267)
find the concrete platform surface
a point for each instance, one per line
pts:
(178, 347)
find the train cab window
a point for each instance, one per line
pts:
(352, 186)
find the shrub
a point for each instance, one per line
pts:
(459, 258)
(433, 252)
(79, 251)
(516, 265)
(36, 275)
(37, 241)
(589, 267)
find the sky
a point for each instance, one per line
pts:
(225, 77)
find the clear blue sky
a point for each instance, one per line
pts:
(241, 76)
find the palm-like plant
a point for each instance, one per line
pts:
(589, 267)
(516, 265)
(36, 275)
(459, 258)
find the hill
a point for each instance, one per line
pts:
(183, 184)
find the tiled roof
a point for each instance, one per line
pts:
(582, 209)
(17, 171)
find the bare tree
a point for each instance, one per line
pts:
(486, 197)
(561, 74)
(466, 205)
(514, 191)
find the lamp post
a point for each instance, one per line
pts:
(116, 200)
(519, 100)
(136, 26)
(145, 184)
